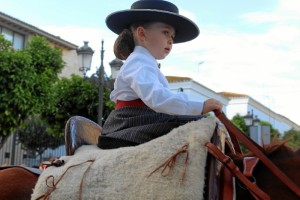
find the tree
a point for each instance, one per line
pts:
(16, 100)
(108, 86)
(239, 122)
(77, 96)
(26, 78)
(34, 136)
(70, 97)
(293, 138)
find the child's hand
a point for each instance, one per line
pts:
(210, 105)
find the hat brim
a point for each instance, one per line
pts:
(186, 29)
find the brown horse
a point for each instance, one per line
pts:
(285, 159)
(17, 183)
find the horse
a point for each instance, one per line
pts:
(17, 183)
(285, 159)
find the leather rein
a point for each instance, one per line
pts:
(258, 151)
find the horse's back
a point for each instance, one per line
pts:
(17, 183)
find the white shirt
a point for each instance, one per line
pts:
(140, 78)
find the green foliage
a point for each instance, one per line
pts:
(108, 85)
(70, 97)
(34, 136)
(45, 57)
(16, 99)
(239, 122)
(47, 63)
(293, 138)
(4, 44)
(26, 77)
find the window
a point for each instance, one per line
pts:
(6, 155)
(8, 34)
(18, 41)
(15, 38)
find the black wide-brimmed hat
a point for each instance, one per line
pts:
(154, 11)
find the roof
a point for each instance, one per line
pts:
(172, 79)
(232, 95)
(10, 21)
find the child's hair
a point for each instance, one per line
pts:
(125, 43)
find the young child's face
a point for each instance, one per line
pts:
(158, 39)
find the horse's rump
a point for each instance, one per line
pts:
(17, 183)
(135, 172)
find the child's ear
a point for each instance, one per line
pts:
(140, 33)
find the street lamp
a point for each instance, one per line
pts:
(115, 66)
(256, 121)
(249, 118)
(85, 54)
(260, 134)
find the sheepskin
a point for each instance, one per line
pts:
(129, 172)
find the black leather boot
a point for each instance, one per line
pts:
(80, 131)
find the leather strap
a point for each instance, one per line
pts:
(249, 165)
(257, 150)
(228, 192)
(227, 161)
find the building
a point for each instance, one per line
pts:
(195, 90)
(243, 104)
(233, 103)
(19, 33)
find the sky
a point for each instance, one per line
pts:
(247, 47)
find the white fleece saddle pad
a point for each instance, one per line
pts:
(168, 167)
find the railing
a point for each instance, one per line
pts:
(12, 153)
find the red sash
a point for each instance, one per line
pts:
(136, 102)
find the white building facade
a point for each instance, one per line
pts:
(233, 103)
(242, 104)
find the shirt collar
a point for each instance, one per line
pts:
(144, 51)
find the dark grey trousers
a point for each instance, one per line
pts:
(130, 126)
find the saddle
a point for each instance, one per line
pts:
(80, 131)
(169, 167)
(220, 169)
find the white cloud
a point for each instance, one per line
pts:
(264, 65)
(287, 11)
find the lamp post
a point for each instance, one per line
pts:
(259, 133)
(85, 54)
(115, 66)
(101, 86)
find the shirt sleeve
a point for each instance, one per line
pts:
(147, 82)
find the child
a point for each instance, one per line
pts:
(145, 106)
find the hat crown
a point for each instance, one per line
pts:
(155, 4)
